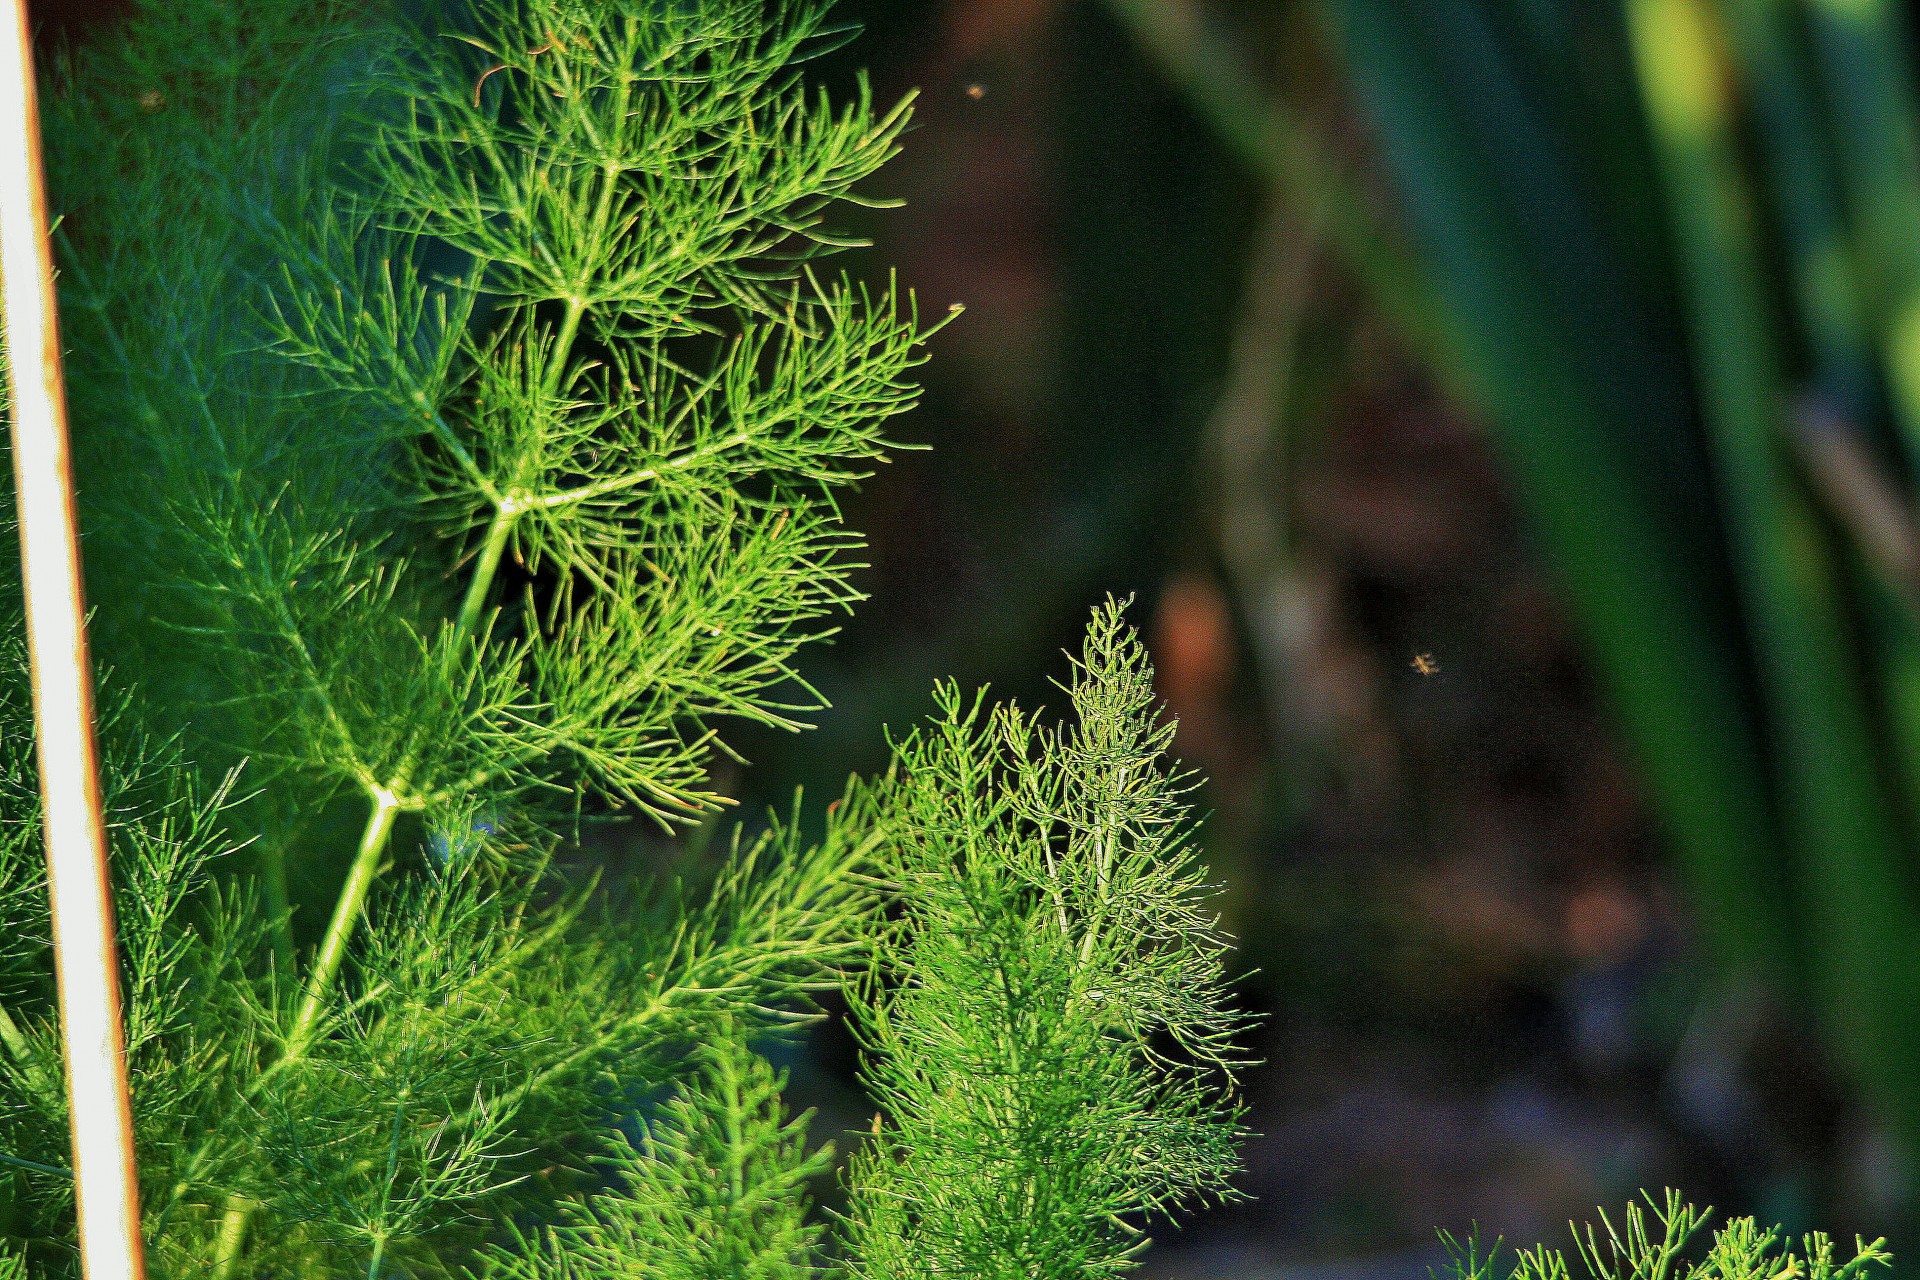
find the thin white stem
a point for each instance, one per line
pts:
(86, 957)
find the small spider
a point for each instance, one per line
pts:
(1425, 665)
(976, 91)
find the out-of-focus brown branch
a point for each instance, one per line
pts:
(1312, 701)
(1278, 145)
(1861, 497)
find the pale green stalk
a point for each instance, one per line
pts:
(389, 800)
(486, 567)
(346, 913)
(16, 1043)
(233, 1234)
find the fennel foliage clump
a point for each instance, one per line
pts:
(462, 403)
(1657, 1242)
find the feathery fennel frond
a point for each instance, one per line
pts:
(494, 450)
(474, 1049)
(715, 1188)
(665, 393)
(1053, 928)
(484, 1033)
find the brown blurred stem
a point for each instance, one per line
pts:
(1276, 143)
(1246, 452)
(1862, 498)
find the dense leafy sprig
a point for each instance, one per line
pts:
(1049, 1035)
(1652, 1242)
(715, 1189)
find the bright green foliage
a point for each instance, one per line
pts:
(1652, 1243)
(715, 1189)
(484, 1032)
(461, 418)
(482, 423)
(1051, 1038)
(564, 319)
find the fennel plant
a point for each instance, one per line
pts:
(462, 400)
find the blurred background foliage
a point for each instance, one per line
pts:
(1506, 414)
